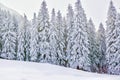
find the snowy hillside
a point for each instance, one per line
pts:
(12, 12)
(16, 70)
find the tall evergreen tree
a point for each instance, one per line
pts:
(110, 37)
(1, 26)
(33, 40)
(20, 39)
(94, 55)
(80, 43)
(26, 26)
(114, 56)
(16, 27)
(60, 39)
(101, 48)
(65, 36)
(23, 52)
(8, 38)
(70, 23)
(53, 38)
(44, 33)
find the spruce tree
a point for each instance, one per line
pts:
(44, 33)
(93, 47)
(114, 57)
(101, 48)
(53, 38)
(20, 39)
(26, 26)
(33, 40)
(70, 22)
(8, 38)
(60, 39)
(65, 36)
(1, 26)
(23, 52)
(110, 37)
(80, 37)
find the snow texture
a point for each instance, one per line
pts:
(18, 70)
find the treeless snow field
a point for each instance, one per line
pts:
(18, 70)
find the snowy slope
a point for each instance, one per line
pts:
(16, 70)
(12, 12)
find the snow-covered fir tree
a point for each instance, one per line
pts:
(80, 37)
(53, 38)
(34, 40)
(65, 36)
(114, 56)
(101, 48)
(70, 22)
(66, 41)
(16, 27)
(44, 33)
(26, 26)
(23, 52)
(8, 37)
(60, 39)
(94, 55)
(20, 39)
(111, 38)
(1, 25)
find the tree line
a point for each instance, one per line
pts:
(69, 41)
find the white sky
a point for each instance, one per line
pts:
(96, 9)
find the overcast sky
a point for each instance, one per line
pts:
(96, 9)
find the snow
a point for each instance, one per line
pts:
(18, 70)
(13, 12)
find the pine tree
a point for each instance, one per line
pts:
(26, 27)
(8, 38)
(70, 22)
(33, 40)
(53, 38)
(114, 56)
(1, 26)
(94, 55)
(23, 52)
(80, 43)
(16, 27)
(60, 39)
(101, 48)
(44, 33)
(110, 37)
(65, 36)
(20, 50)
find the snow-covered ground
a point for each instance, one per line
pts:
(17, 70)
